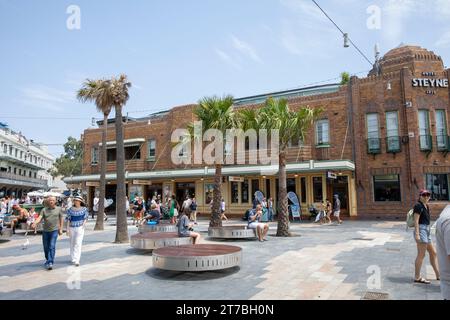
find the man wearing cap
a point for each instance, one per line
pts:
(76, 219)
(422, 235)
(53, 217)
(443, 250)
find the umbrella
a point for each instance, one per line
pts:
(53, 194)
(35, 194)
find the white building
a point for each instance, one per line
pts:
(24, 164)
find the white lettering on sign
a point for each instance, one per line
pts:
(435, 83)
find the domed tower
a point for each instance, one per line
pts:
(416, 58)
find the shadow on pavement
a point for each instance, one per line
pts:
(190, 276)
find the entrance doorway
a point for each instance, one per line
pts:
(339, 186)
(153, 190)
(184, 189)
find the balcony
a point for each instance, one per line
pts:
(443, 143)
(393, 144)
(426, 143)
(7, 178)
(374, 146)
(20, 161)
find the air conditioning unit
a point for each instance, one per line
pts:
(408, 104)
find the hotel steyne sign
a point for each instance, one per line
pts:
(429, 82)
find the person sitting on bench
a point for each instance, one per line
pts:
(153, 215)
(21, 216)
(253, 223)
(185, 229)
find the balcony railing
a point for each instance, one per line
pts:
(443, 143)
(374, 146)
(16, 179)
(393, 144)
(426, 143)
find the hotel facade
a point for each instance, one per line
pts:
(379, 140)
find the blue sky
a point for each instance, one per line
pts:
(176, 52)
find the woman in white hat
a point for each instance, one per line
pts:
(76, 219)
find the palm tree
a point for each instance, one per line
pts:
(216, 113)
(276, 115)
(99, 92)
(120, 96)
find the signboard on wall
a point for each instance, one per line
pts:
(236, 179)
(92, 184)
(142, 182)
(331, 175)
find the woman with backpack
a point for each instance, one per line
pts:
(422, 235)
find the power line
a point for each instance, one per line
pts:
(343, 33)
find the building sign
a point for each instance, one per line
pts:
(142, 182)
(92, 184)
(331, 175)
(236, 179)
(429, 83)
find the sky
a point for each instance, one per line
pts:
(177, 51)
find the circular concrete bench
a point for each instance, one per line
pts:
(154, 240)
(6, 233)
(162, 227)
(199, 257)
(232, 232)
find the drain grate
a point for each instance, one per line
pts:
(376, 296)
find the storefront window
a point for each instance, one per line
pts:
(234, 192)
(255, 186)
(303, 191)
(438, 186)
(387, 188)
(317, 189)
(209, 189)
(244, 192)
(290, 184)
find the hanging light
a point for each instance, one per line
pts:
(346, 40)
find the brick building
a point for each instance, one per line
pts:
(379, 140)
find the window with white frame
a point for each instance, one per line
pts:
(94, 155)
(392, 131)
(441, 129)
(373, 132)
(424, 130)
(322, 132)
(151, 144)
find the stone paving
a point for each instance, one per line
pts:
(318, 262)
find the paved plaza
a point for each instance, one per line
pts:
(318, 262)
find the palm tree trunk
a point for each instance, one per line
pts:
(283, 214)
(121, 215)
(217, 197)
(101, 202)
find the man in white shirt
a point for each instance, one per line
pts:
(443, 250)
(186, 207)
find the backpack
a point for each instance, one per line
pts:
(193, 206)
(410, 219)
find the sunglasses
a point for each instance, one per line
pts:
(426, 195)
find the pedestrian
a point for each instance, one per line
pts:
(194, 210)
(222, 210)
(337, 209)
(443, 251)
(76, 218)
(270, 208)
(173, 211)
(254, 222)
(422, 235)
(95, 207)
(186, 206)
(53, 226)
(328, 211)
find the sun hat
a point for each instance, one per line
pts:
(78, 198)
(424, 192)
